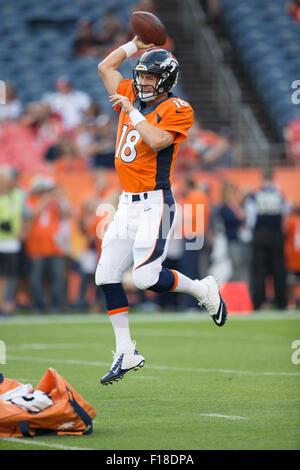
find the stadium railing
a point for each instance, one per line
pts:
(255, 146)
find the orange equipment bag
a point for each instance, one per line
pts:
(69, 414)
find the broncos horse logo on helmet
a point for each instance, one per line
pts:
(161, 63)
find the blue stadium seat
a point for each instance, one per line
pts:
(294, 67)
(267, 40)
(36, 40)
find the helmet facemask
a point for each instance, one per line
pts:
(161, 64)
(145, 93)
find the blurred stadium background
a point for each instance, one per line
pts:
(240, 70)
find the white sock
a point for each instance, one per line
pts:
(189, 286)
(184, 283)
(120, 325)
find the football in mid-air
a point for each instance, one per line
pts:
(148, 28)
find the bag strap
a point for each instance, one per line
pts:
(24, 428)
(81, 412)
(24, 425)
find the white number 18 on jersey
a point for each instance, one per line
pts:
(126, 149)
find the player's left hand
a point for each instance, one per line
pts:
(122, 101)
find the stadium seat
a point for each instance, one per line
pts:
(267, 41)
(36, 45)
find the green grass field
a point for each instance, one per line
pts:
(202, 387)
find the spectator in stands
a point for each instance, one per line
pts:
(104, 191)
(196, 223)
(45, 125)
(68, 157)
(86, 42)
(233, 217)
(12, 109)
(46, 243)
(11, 226)
(101, 148)
(108, 27)
(210, 150)
(292, 142)
(212, 9)
(232, 157)
(293, 8)
(145, 5)
(92, 113)
(93, 222)
(54, 151)
(19, 144)
(246, 237)
(86, 132)
(148, 5)
(87, 222)
(120, 38)
(267, 209)
(69, 103)
(292, 255)
(188, 158)
(169, 45)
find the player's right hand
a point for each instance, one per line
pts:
(140, 45)
(122, 101)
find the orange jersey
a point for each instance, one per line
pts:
(191, 224)
(41, 238)
(292, 243)
(139, 167)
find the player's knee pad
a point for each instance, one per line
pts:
(105, 275)
(145, 276)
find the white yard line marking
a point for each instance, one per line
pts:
(214, 415)
(144, 318)
(12, 348)
(47, 346)
(41, 443)
(151, 377)
(59, 361)
(170, 368)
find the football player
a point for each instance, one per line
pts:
(152, 123)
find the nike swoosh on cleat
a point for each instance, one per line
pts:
(219, 318)
(179, 112)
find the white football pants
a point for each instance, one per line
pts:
(139, 234)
